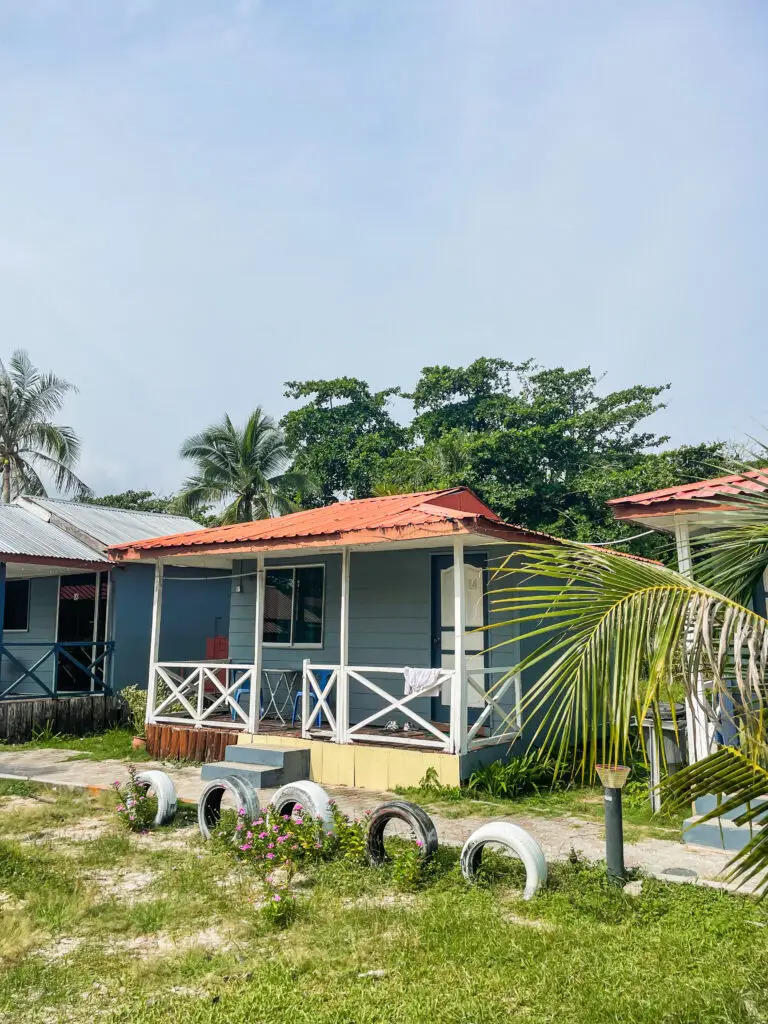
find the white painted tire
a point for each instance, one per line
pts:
(160, 784)
(514, 839)
(313, 799)
(209, 807)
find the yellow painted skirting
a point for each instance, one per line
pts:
(364, 766)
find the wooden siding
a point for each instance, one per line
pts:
(43, 601)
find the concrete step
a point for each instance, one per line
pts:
(294, 760)
(720, 833)
(705, 804)
(261, 776)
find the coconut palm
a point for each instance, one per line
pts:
(614, 636)
(247, 467)
(30, 443)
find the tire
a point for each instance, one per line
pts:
(512, 838)
(399, 810)
(313, 799)
(161, 784)
(209, 807)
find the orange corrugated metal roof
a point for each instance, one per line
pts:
(754, 481)
(395, 513)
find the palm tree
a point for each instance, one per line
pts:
(247, 467)
(29, 442)
(615, 636)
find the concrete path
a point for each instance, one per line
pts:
(665, 859)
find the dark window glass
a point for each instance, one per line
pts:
(16, 604)
(278, 603)
(308, 606)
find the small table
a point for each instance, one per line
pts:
(278, 690)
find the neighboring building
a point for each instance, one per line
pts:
(74, 623)
(348, 605)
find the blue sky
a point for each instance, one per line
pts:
(201, 199)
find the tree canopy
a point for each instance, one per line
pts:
(544, 447)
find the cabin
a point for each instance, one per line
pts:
(73, 623)
(363, 633)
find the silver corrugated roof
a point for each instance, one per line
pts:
(24, 533)
(113, 525)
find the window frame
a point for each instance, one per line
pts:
(291, 645)
(28, 581)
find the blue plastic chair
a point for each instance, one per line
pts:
(245, 688)
(322, 675)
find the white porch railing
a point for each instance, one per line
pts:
(495, 723)
(340, 731)
(198, 693)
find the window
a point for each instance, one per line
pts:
(293, 606)
(16, 615)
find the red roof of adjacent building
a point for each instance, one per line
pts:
(365, 520)
(702, 494)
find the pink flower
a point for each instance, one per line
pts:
(241, 811)
(270, 846)
(249, 835)
(329, 834)
(259, 822)
(239, 827)
(281, 839)
(318, 846)
(270, 856)
(262, 835)
(298, 807)
(419, 843)
(245, 846)
(276, 897)
(275, 828)
(117, 783)
(121, 807)
(299, 821)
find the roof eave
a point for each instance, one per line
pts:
(392, 535)
(65, 563)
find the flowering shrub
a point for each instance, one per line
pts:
(135, 809)
(408, 866)
(281, 907)
(284, 841)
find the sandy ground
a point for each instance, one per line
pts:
(665, 859)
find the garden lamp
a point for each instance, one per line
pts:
(613, 778)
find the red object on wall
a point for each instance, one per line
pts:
(216, 648)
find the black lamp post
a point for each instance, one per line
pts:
(613, 778)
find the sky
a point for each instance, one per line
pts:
(202, 199)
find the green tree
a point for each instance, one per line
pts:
(620, 636)
(30, 442)
(248, 468)
(138, 501)
(341, 436)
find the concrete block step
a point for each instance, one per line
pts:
(262, 776)
(295, 760)
(705, 804)
(719, 833)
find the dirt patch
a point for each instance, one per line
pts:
(161, 944)
(178, 839)
(81, 831)
(389, 899)
(19, 803)
(122, 884)
(9, 902)
(528, 922)
(60, 949)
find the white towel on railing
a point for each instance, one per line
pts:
(418, 680)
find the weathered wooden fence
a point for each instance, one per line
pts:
(70, 716)
(185, 743)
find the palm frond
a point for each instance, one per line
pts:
(739, 783)
(610, 636)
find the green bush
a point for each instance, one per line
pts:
(515, 777)
(136, 699)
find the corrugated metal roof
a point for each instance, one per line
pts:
(751, 482)
(393, 512)
(110, 526)
(24, 533)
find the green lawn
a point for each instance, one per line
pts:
(111, 744)
(99, 925)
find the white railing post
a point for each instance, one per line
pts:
(200, 694)
(305, 685)
(342, 682)
(459, 686)
(254, 704)
(154, 643)
(699, 730)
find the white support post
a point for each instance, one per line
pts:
(305, 688)
(254, 703)
(154, 643)
(342, 683)
(698, 729)
(459, 688)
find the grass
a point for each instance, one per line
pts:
(582, 951)
(113, 744)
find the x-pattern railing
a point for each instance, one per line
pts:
(508, 725)
(311, 715)
(203, 691)
(394, 704)
(95, 668)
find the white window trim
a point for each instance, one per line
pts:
(28, 581)
(292, 646)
